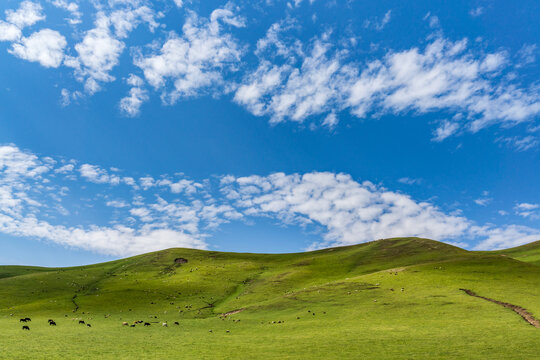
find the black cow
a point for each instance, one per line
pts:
(22, 320)
(88, 325)
(25, 327)
(52, 323)
(146, 324)
(81, 322)
(28, 319)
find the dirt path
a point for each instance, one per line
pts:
(527, 316)
(74, 303)
(232, 312)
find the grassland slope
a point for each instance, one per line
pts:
(392, 298)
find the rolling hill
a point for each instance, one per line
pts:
(392, 298)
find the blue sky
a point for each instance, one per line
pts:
(129, 126)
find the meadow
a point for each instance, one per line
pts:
(387, 299)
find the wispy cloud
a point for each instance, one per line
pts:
(521, 143)
(149, 214)
(281, 75)
(379, 24)
(409, 181)
(477, 11)
(445, 76)
(528, 210)
(196, 60)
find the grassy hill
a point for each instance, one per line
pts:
(528, 253)
(394, 298)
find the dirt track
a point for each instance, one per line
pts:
(232, 312)
(527, 316)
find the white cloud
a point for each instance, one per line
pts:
(379, 25)
(528, 210)
(147, 182)
(98, 52)
(27, 14)
(483, 201)
(71, 7)
(117, 204)
(445, 76)
(409, 181)
(476, 11)
(142, 213)
(45, 47)
(100, 49)
(351, 212)
(179, 3)
(98, 175)
(285, 92)
(445, 130)
(9, 32)
(184, 185)
(331, 120)
(65, 169)
(131, 105)
(26, 210)
(527, 54)
(344, 210)
(523, 143)
(196, 60)
(505, 237)
(126, 20)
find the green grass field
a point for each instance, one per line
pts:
(388, 299)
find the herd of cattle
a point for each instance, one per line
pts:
(50, 321)
(82, 322)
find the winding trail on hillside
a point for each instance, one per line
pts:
(74, 303)
(527, 316)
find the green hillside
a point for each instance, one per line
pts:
(528, 253)
(394, 298)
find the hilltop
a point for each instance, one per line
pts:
(528, 253)
(389, 298)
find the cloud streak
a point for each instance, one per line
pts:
(282, 76)
(88, 207)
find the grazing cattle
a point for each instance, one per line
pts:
(132, 325)
(125, 323)
(88, 325)
(25, 327)
(52, 323)
(81, 322)
(146, 324)
(50, 320)
(176, 323)
(28, 319)
(22, 320)
(164, 325)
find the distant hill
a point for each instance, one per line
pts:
(528, 253)
(392, 298)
